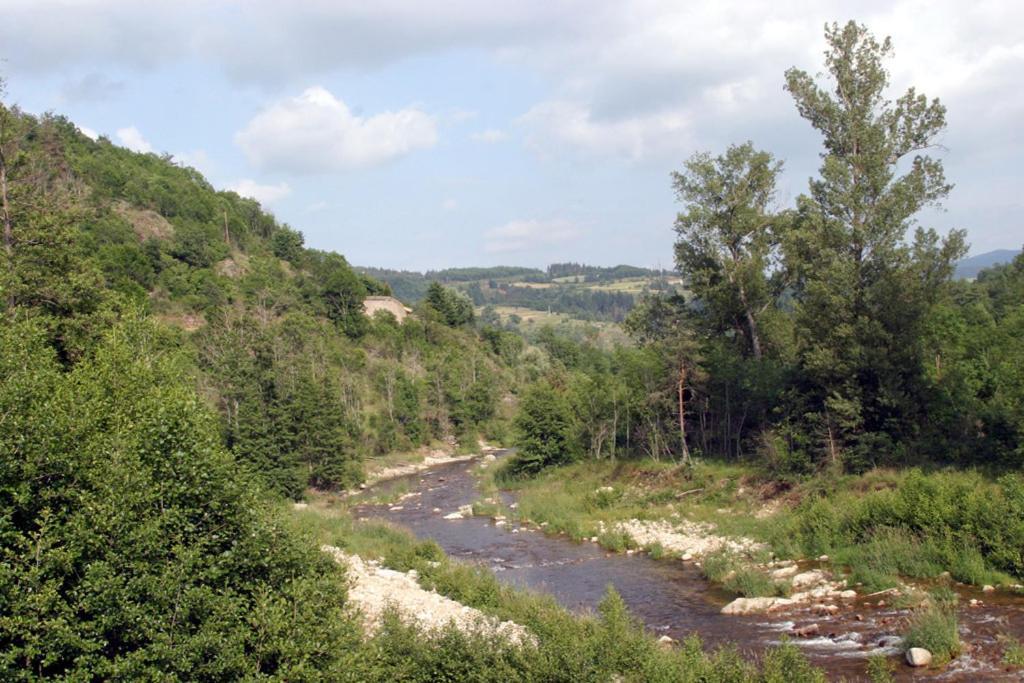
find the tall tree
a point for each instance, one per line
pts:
(728, 238)
(863, 291)
(7, 141)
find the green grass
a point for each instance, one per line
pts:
(883, 526)
(736, 575)
(1013, 652)
(880, 669)
(934, 627)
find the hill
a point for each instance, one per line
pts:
(304, 384)
(969, 267)
(588, 293)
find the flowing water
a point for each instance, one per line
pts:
(672, 598)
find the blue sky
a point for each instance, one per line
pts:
(426, 135)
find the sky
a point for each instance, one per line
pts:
(422, 135)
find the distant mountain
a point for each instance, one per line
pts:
(972, 265)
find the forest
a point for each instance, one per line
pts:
(176, 363)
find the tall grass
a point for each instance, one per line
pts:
(934, 627)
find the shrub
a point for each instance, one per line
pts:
(544, 431)
(934, 628)
(132, 547)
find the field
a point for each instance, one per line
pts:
(605, 334)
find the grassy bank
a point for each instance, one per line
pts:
(881, 526)
(605, 646)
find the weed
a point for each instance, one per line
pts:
(880, 669)
(934, 628)
(1013, 652)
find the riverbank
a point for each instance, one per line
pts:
(851, 546)
(883, 527)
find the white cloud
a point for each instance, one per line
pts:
(557, 124)
(490, 135)
(89, 133)
(264, 194)
(131, 138)
(521, 235)
(449, 204)
(316, 132)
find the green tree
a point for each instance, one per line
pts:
(863, 292)
(544, 431)
(729, 239)
(451, 307)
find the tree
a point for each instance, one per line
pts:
(8, 148)
(729, 239)
(544, 431)
(661, 323)
(862, 291)
(452, 308)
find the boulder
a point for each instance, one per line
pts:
(755, 605)
(810, 578)
(918, 656)
(807, 631)
(453, 515)
(785, 572)
(988, 589)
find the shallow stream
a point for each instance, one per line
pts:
(671, 597)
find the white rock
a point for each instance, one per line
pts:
(301, 506)
(988, 589)
(848, 595)
(687, 557)
(593, 539)
(784, 572)
(823, 558)
(810, 578)
(918, 656)
(755, 605)
(453, 515)
(396, 508)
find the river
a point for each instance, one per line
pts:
(671, 597)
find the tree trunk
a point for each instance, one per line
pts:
(755, 338)
(682, 412)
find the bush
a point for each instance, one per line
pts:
(544, 431)
(132, 547)
(934, 628)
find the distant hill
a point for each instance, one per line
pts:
(969, 268)
(592, 293)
